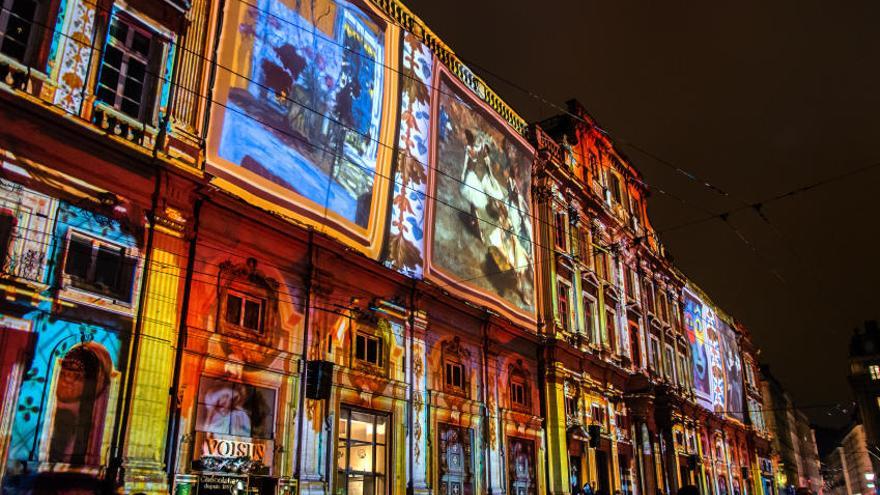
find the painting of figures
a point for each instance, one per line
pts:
(303, 108)
(482, 224)
(732, 372)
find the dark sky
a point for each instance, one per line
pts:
(758, 97)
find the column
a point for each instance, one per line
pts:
(420, 455)
(148, 418)
(556, 432)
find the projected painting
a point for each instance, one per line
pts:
(481, 230)
(732, 371)
(696, 330)
(302, 93)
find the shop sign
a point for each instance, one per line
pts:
(227, 453)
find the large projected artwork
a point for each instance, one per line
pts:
(481, 231)
(732, 372)
(303, 93)
(696, 329)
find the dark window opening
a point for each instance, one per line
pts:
(100, 268)
(244, 311)
(131, 60)
(454, 375)
(368, 349)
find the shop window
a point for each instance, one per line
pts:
(362, 453)
(80, 404)
(132, 58)
(454, 374)
(368, 349)
(874, 371)
(99, 267)
(22, 27)
(244, 311)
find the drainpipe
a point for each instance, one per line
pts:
(542, 401)
(487, 417)
(172, 431)
(120, 428)
(310, 268)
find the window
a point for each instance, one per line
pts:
(368, 348)
(874, 371)
(655, 353)
(518, 393)
(100, 267)
(584, 248)
(597, 413)
(454, 375)
(362, 455)
(7, 227)
(571, 406)
(614, 188)
(563, 298)
(244, 311)
(629, 279)
(131, 60)
(589, 313)
(561, 231)
(669, 363)
(683, 373)
(664, 310)
(601, 258)
(20, 28)
(649, 292)
(634, 343)
(611, 327)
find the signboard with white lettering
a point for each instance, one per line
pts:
(218, 453)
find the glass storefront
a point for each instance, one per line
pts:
(362, 456)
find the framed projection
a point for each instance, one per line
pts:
(479, 220)
(304, 111)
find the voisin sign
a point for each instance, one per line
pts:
(226, 453)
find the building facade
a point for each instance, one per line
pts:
(848, 468)
(794, 441)
(299, 247)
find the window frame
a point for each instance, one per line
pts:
(380, 350)
(564, 297)
(347, 443)
(35, 45)
(448, 381)
(68, 281)
(159, 43)
(246, 297)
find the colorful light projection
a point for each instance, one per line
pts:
(701, 324)
(305, 94)
(479, 222)
(732, 372)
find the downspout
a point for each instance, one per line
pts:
(542, 401)
(484, 351)
(120, 429)
(172, 431)
(310, 268)
(411, 379)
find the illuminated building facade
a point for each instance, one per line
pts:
(291, 246)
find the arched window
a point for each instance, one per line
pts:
(80, 402)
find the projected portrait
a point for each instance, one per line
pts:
(696, 330)
(732, 372)
(302, 89)
(482, 230)
(231, 408)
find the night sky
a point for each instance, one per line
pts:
(755, 97)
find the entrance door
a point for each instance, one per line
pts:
(574, 470)
(521, 466)
(361, 455)
(455, 460)
(603, 486)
